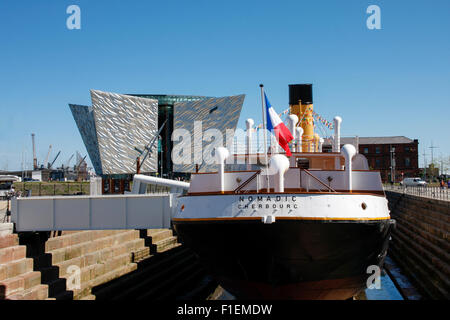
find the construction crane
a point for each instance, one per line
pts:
(77, 168)
(51, 164)
(148, 150)
(35, 166)
(68, 161)
(80, 162)
(48, 155)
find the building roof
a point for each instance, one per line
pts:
(374, 140)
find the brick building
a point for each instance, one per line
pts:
(378, 153)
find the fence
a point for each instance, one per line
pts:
(426, 192)
(52, 188)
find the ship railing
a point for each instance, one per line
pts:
(316, 179)
(246, 182)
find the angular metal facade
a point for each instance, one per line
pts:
(214, 113)
(122, 123)
(84, 118)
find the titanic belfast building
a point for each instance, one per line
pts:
(117, 128)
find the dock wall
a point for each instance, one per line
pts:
(420, 242)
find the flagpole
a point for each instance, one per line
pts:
(265, 134)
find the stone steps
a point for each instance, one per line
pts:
(428, 247)
(73, 251)
(156, 235)
(21, 282)
(15, 268)
(18, 280)
(9, 240)
(145, 268)
(420, 243)
(434, 205)
(39, 292)
(72, 239)
(164, 245)
(417, 269)
(436, 269)
(434, 230)
(86, 288)
(432, 218)
(179, 282)
(444, 245)
(12, 253)
(100, 256)
(152, 283)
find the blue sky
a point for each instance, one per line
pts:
(393, 81)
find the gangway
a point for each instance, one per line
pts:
(134, 210)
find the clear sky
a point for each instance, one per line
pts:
(388, 82)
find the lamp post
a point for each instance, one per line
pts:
(392, 164)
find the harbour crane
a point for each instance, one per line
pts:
(46, 158)
(80, 162)
(51, 164)
(148, 150)
(68, 161)
(77, 167)
(35, 166)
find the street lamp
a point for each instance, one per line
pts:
(392, 164)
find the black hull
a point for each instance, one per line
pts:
(289, 259)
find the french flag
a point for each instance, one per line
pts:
(275, 125)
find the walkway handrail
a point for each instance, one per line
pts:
(317, 179)
(433, 192)
(140, 184)
(246, 182)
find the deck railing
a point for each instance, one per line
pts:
(421, 191)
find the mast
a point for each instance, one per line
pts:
(265, 134)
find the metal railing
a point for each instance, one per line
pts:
(426, 192)
(246, 182)
(316, 179)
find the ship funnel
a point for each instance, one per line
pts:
(301, 104)
(348, 151)
(221, 155)
(278, 165)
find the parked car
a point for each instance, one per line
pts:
(407, 182)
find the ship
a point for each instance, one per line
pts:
(311, 226)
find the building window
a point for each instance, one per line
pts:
(366, 150)
(378, 163)
(407, 162)
(407, 149)
(378, 150)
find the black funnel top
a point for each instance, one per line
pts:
(301, 92)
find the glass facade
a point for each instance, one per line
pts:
(165, 112)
